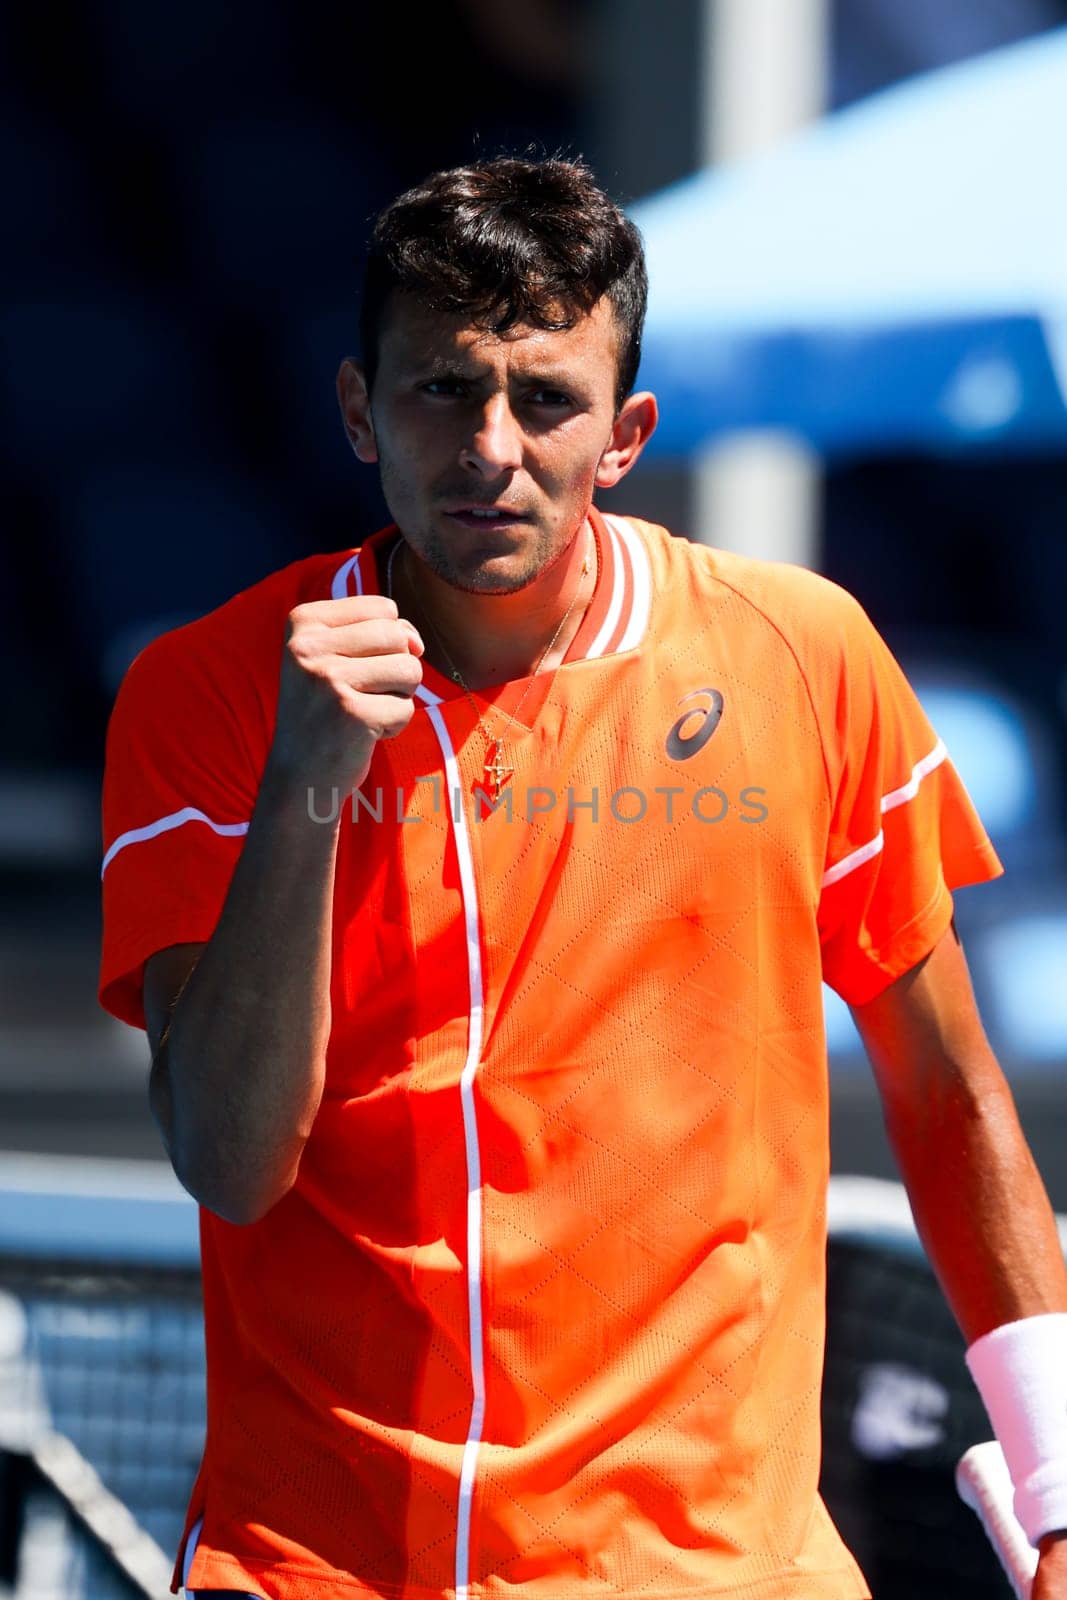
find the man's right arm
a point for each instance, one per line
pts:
(239, 1026)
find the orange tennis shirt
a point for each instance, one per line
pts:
(542, 1317)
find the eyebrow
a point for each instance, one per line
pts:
(442, 368)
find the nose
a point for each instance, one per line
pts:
(495, 446)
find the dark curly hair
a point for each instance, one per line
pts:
(505, 241)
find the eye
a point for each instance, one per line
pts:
(555, 399)
(443, 386)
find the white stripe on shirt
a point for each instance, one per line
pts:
(888, 802)
(177, 819)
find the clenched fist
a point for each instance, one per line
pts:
(350, 669)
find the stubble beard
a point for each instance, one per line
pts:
(483, 579)
(428, 545)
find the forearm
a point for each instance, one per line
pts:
(238, 1076)
(978, 1200)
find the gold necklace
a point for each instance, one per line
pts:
(495, 765)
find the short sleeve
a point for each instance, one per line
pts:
(903, 830)
(181, 777)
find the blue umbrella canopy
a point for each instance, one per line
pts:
(894, 277)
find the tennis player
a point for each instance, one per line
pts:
(476, 887)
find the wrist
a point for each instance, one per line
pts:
(331, 764)
(1020, 1369)
(291, 798)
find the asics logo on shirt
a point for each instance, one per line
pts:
(696, 725)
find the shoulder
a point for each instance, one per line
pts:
(212, 685)
(240, 641)
(812, 614)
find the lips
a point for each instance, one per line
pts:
(485, 516)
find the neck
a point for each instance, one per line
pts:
(494, 638)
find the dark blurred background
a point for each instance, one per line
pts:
(188, 190)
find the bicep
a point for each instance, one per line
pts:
(165, 976)
(923, 1033)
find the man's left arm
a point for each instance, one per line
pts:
(978, 1200)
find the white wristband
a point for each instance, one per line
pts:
(1021, 1373)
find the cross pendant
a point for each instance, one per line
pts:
(497, 771)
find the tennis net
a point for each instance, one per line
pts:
(102, 1398)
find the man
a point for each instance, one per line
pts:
(476, 888)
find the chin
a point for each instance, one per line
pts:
(488, 573)
(480, 581)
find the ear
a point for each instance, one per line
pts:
(634, 426)
(354, 401)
